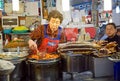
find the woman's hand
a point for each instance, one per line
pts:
(32, 44)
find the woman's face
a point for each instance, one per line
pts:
(54, 24)
(110, 30)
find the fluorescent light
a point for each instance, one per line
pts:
(117, 9)
(65, 5)
(107, 5)
(15, 5)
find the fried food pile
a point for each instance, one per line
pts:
(106, 49)
(16, 43)
(41, 56)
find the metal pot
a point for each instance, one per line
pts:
(44, 70)
(73, 62)
(20, 71)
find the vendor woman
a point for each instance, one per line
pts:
(46, 38)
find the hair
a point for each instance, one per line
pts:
(55, 14)
(113, 24)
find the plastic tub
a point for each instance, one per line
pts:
(7, 31)
(117, 71)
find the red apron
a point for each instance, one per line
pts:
(49, 44)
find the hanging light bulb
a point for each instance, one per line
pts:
(117, 9)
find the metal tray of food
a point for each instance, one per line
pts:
(115, 57)
(114, 60)
(13, 55)
(15, 49)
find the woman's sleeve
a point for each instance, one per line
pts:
(36, 34)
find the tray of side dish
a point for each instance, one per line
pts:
(114, 60)
(115, 57)
(13, 55)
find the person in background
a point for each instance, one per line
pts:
(118, 31)
(113, 36)
(47, 37)
(111, 32)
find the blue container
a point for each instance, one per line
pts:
(117, 71)
(7, 31)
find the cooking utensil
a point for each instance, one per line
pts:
(18, 50)
(38, 53)
(41, 54)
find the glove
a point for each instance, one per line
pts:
(32, 44)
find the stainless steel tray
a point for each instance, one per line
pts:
(13, 55)
(114, 60)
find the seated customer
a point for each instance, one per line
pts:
(111, 32)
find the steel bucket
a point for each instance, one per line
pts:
(44, 70)
(73, 62)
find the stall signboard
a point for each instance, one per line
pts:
(84, 5)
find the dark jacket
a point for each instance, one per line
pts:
(116, 39)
